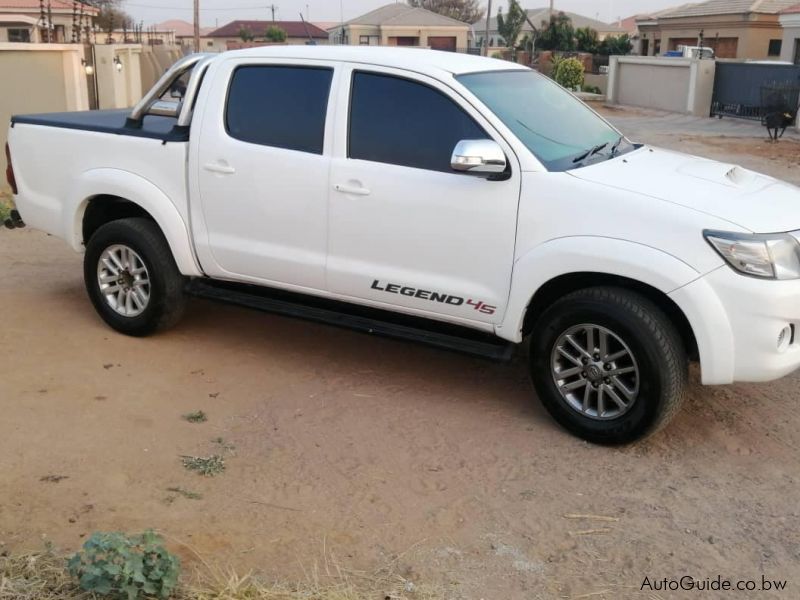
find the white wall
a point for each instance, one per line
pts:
(118, 88)
(38, 78)
(679, 85)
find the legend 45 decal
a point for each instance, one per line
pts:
(441, 297)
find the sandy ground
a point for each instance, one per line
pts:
(375, 452)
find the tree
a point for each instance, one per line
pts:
(616, 45)
(586, 40)
(275, 34)
(558, 35)
(111, 16)
(246, 35)
(468, 11)
(510, 26)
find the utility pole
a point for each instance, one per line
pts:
(273, 8)
(486, 33)
(197, 25)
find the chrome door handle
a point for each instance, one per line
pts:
(351, 190)
(219, 168)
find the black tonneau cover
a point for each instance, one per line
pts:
(109, 121)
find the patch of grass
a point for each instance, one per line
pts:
(44, 577)
(206, 466)
(224, 445)
(185, 493)
(196, 417)
(5, 206)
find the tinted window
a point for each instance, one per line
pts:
(405, 123)
(283, 107)
(551, 122)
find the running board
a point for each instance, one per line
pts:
(349, 316)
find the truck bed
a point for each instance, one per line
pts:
(109, 121)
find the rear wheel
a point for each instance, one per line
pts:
(608, 365)
(132, 278)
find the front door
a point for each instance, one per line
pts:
(263, 174)
(405, 229)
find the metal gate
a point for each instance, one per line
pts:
(751, 90)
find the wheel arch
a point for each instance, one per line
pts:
(567, 283)
(105, 195)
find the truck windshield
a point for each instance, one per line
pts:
(560, 130)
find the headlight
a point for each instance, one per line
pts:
(773, 256)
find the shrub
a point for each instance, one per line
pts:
(125, 567)
(275, 34)
(592, 89)
(570, 73)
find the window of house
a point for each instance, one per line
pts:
(368, 40)
(19, 35)
(402, 122)
(279, 106)
(797, 52)
(775, 47)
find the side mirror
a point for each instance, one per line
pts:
(163, 108)
(482, 158)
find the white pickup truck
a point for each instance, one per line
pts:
(452, 199)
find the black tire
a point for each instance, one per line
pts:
(167, 299)
(652, 340)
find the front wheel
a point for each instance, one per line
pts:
(132, 278)
(608, 365)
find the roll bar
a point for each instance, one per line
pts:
(145, 105)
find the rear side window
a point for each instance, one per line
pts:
(402, 122)
(282, 107)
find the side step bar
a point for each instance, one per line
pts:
(362, 319)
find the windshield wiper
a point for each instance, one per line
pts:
(616, 146)
(590, 153)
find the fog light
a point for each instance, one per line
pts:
(784, 338)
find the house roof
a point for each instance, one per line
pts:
(402, 14)
(293, 29)
(327, 25)
(727, 7)
(629, 24)
(539, 15)
(792, 10)
(34, 6)
(181, 28)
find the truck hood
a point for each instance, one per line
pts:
(745, 198)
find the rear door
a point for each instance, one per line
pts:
(405, 229)
(262, 172)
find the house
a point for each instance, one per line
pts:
(790, 20)
(540, 17)
(22, 21)
(234, 33)
(182, 32)
(403, 25)
(744, 29)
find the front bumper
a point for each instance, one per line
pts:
(737, 321)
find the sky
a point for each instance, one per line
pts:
(220, 12)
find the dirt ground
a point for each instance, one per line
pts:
(373, 452)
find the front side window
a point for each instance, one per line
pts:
(775, 47)
(279, 106)
(406, 123)
(560, 130)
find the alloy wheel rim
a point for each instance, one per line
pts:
(124, 280)
(595, 372)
